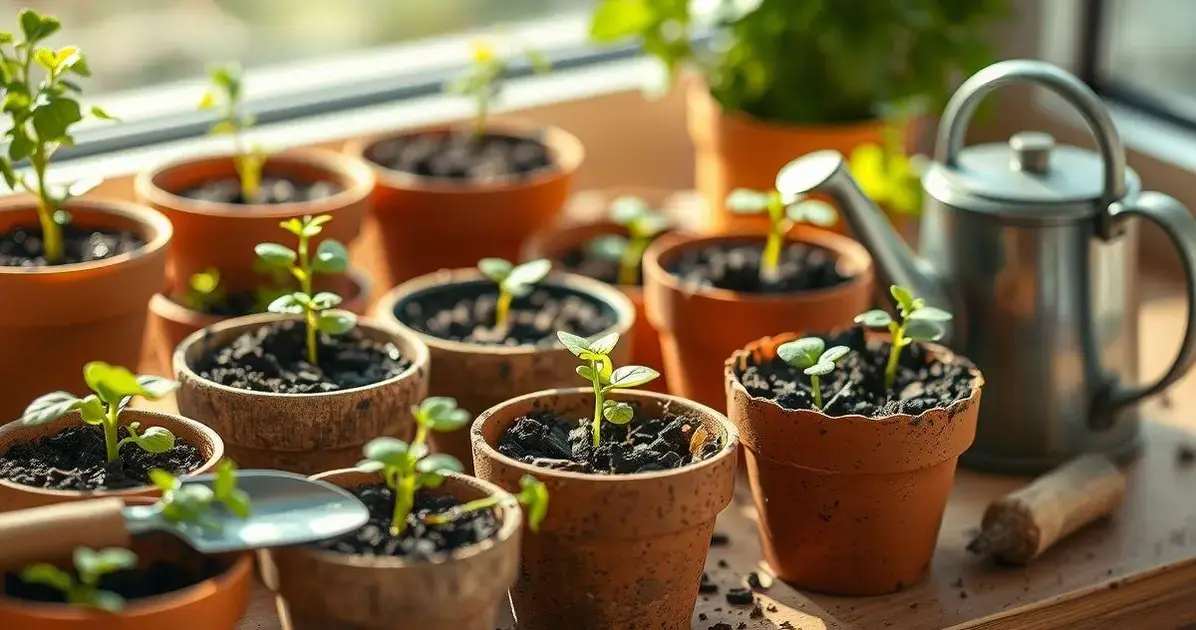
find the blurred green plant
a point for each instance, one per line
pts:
(224, 94)
(484, 79)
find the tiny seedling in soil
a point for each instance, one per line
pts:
(483, 81)
(193, 504)
(224, 95)
(533, 496)
(114, 388)
(204, 291)
(318, 311)
(814, 359)
(918, 323)
(643, 226)
(601, 373)
(783, 214)
(90, 566)
(513, 281)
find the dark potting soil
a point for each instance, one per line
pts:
(75, 459)
(645, 444)
(462, 156)
(582, 262)
(22, 247)
(465, 312)
(158, 578)
(420, 540)
(274, 190)
(856, 387)
(273, 358)
(802, 267)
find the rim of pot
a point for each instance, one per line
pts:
(601, 291)
(565, 148)
(730, 435)
(162, 302)
(181, 366)
(846, 251)
(160, 227)
(352, 173)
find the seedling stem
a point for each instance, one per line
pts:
(918, 323)
(600, 372)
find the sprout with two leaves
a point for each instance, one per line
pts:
(90, 566)
(783, 214)
(193, 503)
(114, 388)
(602, 374)
(643, 226)
(814, 359)
(918, 323)
(483, 80)
(513, 281)
(224, 93)
(204, 290)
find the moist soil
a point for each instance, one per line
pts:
(545, 439)
(273, 358)
(465, 312)
(419, 540)
(803, 267)
(582, 262)
(274, 190)
(462, 156)
(856, 387)
(75, 459)
(158, 578)
(22, 247)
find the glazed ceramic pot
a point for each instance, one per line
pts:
(848, 505)
(56, 319)
(480, 376)
(301, 433)
(615, 551)
(325, 590)
(701, 326)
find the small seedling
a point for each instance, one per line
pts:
(331, 257)
(783, 214)
(814, 359)
(533, 496)
(192, 503)
(601, 373)
(204, 290)
(114, 388)
(224, 94)
(918, 323)
(643, 226)
(513, 281)
(90, 566)
(484, 80)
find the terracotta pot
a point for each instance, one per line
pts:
(481, 376)
(301, 433)
(701, 327)
(15, 496)
(56, 319)
(325, 590)
(848, 505)
(615, 551)
(428, 224)
(222, 235)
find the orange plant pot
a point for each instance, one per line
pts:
(848, 505)
(56, 319)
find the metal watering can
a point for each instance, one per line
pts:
(1033, 247)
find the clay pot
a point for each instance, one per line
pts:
(301, 433)
(428, 224)
(222, 235)
(701, 326)
(481, 376)
(848, 505)
(615, 551)
(56, 319)
(325, 590)
(15, 496)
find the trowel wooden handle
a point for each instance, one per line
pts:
(48, 533)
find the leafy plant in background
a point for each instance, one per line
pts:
(887, 174)
(533, 496)
(193, 503)
(90, 566)
(783, 214)
(484, 79)
(224, 94)
(204, 290)
(513, 281)
(41, 114)
(114, 388)
(602, 374)
(643, 226)
(814, 359)
(918, 323)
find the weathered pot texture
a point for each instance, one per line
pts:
(222, 235)
(480, 376)
(301, 433)
(848, 505)
(615, 551)
(425, 221)
(56, 319)
(701, 326)
(15, 496)
(325, 590)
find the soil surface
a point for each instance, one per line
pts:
(582, 262)
(75, 459)
(274, 190)
(803, 267)
(462, 156)
(158, 578)
(644, 444)
(419, 541)
(856, 387)
(22, 247)
(465, 312)
(273, 358)
(233, 305)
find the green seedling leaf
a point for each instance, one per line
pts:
(275, 255)
(573, 343)
(165, 481)
(96, 110)
(874, 319)
(534, 497)
(585, 372)
(92, 410)
(746, 201)
(293, 225)
(439, 463)
(238, 503)
(154, 440)
(154, 387)
(922, 330)
(930, 314)
(226, 478)
(388, 451)
(314, 225)
(47, 575)
(93, 564)
(813, 212)
(624, 210)
(632, 376)
(331, 257)
(617, 412)
(110, 382)
(440, 413)
(287, 304)
(528, 273)
(905, 299)
(835, 354)
(108, 601)
(802, 353)
(604, 345)
(336, 322)
(496, 269)
(435, 406)
(49, 407)
(608, 247)
(821, 368)
(325, 300)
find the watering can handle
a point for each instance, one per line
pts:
(52, 532)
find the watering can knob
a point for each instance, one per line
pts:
(1032, 151)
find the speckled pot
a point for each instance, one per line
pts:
(20, 497)
(481, 376)
(301, 433)
(325, 590)
(848, 505)
(616, 551)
